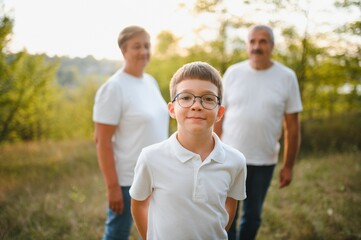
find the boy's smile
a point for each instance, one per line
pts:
(195, 119)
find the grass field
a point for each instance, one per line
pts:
(55, 191)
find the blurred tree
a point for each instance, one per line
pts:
(165, 60)
(350, 58)
(167, 45)
(26, 91)
(69, 77)
(74, 106)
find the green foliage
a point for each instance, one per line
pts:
(333, 134)
(27, 98)
(167, 45)
(163, 71)
(46, 98)
(74, 111)
(352, 28)
(6, 26)
(206, 5)
(27, 92)
(348, 3)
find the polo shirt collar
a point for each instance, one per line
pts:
(183, 154)
(218, 154)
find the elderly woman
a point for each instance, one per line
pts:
(129, 114)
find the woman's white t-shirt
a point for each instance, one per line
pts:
(137, 108)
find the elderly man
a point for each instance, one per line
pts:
(261, 97)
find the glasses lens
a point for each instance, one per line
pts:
(185, 99)
(209, 101)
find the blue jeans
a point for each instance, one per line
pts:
(257, 184)
(118, 226)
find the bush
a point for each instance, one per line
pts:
(338, 133)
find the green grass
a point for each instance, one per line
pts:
(323, 201)
(55, 191)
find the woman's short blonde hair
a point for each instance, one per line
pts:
(129, 32)
(196, 70)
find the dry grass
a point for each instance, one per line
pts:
(50, 191)
(55, 191)
(323, 201)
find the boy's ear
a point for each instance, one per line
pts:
(171, 110)
(220, 113)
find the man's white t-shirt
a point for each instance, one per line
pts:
(137, 108)
(188, 195)
(256, 101)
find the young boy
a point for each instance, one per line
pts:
(187, 186)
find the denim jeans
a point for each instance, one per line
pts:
(257, 184)
(118, 226)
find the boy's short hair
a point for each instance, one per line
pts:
(196, 70)
(129, 32)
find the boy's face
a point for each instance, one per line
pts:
(195, 119)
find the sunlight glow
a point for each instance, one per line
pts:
(90, 27)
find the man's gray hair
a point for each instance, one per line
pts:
(264, 28)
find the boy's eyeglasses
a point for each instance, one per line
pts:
(186, 100)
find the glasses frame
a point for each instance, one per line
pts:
(194, 99)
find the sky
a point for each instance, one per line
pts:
(89, 27)
(78, 28)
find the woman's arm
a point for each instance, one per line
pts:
(103, 141)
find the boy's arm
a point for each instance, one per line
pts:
(231, 207)
(140, 216)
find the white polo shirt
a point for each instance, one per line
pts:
(188, 195)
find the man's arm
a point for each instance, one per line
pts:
(292, 140)
(140, 216)
(103, 141)
(231, 207)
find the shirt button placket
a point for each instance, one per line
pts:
(198, 192)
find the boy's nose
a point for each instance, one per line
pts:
(197, 103)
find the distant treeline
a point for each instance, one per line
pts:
(73, 72)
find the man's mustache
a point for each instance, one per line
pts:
(257, 51)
